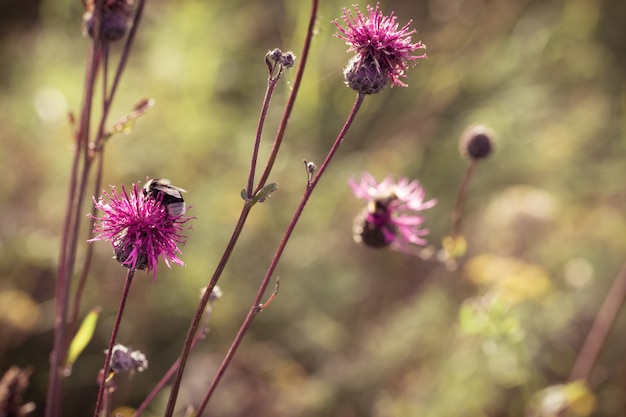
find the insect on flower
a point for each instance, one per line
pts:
(392, 214)
(169, 194)
(142, 227)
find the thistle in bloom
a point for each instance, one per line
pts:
(140, 228)
(392, 215)
(383, 50)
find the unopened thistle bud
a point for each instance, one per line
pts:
(115, 19)
(476, 142)
(286, 59)
(364, 76)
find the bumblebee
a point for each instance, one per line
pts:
(170, 195)
(371, 223)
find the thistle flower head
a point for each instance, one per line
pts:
(140, 228)
(379, 45)
(392, 213)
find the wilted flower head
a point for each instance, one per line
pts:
(124, 359)
(392, 214)
(140, 228)
(382, 49)
(115, 17)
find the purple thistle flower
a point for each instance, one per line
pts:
(382, 49)
(139, 228)
(392, 214)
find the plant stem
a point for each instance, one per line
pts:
(255, 308)
(106, 369)
(280, 133)
(171, 402)
(69, 238)
(89, 251)
(600, 328)
(98, 151)
(159, 386)
(272, 81)
(457, 214)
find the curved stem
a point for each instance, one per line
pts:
(116, 327)
(255, 309)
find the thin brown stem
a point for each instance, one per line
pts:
(280, 133)
(89, 251)
(600, 328)
(106, 369)
(255, 309)
(272, 81)
(168, 375)
(457, 214)
(171, 402)
(70, 235)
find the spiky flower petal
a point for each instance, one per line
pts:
(139, 229)
(392, 214)
(379, 43)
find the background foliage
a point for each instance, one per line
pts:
(353, 332)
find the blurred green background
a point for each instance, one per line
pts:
(353, 331)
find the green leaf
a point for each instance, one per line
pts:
(83, 336)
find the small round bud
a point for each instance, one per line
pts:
(287, 59)
(476, 142)
(364, 75)
(275, 54)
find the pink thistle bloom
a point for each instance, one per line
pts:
(140, 229)
(392, 214)
(379, 45)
